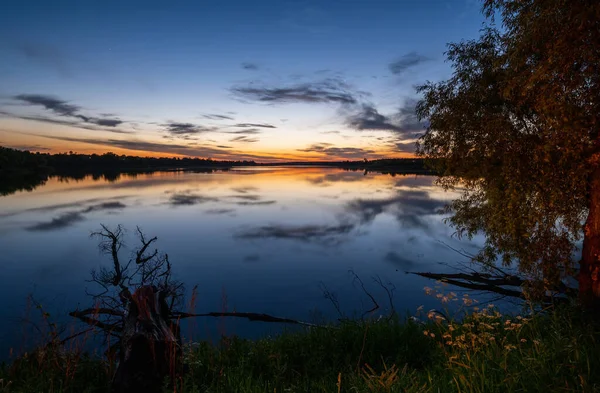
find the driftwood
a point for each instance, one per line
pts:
(137, 306)
(505, 285)
(150, 344)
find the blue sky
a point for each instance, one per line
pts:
(228, 79)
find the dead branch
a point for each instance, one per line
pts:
(259, 317)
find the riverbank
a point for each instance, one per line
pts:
(486, 352)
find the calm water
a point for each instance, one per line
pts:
(256, 240)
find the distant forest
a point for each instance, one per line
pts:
(24, 170)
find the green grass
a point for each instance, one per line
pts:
(485, 352)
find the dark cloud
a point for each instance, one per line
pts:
(178, 129)
(53, 104)
(370, 119)
(409, 147)
(250, 66)
(407, 61)
(68, 123)
(398, 260)
(404, 122)
(212, 116)
(342, 152)
(304, 233)
(65, 109)
(62, 221)
(331, 90)
(244, 139)
(189, 199)
(247, 131)
(260, 125)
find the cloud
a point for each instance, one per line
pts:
(260, 125)
(65, 109)
(244, 139)
(247, 131)
(332, 90)
(179, 129)
(212, 116)
(62, 221)
(329, 132)
(250, 66)
(304, 233)
(340, 152)
(405, 122)
(407, 61)
(60, 107)
(185, 199)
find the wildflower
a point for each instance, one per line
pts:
(490, 305)
(427, 290)
(420, 308)
(523, 340)
(432, 335)
(509, 347)
(425, 332)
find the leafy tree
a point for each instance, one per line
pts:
(517, 126)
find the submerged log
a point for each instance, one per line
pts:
(150, 344)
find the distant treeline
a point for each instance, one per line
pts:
(24, 170)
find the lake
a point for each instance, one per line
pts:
(265, 240)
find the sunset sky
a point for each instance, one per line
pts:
(260, 80)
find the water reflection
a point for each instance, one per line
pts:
(264, 237)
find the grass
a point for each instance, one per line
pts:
(556, 351)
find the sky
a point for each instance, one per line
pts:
(232, 79)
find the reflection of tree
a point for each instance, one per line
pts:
(11, 184)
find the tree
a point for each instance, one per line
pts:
(517, 125)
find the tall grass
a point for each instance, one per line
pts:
(557, 351)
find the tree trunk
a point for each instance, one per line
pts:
(150, 345)
(589, 273)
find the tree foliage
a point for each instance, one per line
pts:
(517, 126)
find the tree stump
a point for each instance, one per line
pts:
(150, 344)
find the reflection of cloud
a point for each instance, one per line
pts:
(342, 177)
(305, 233)
(219, 211)
(62, 221)
(252, 258)
(398, 260)
(255, 203)
(244, 190)
(104, 206)
(189, 199)
(408, 207)
(69, 218)
(407, 61)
